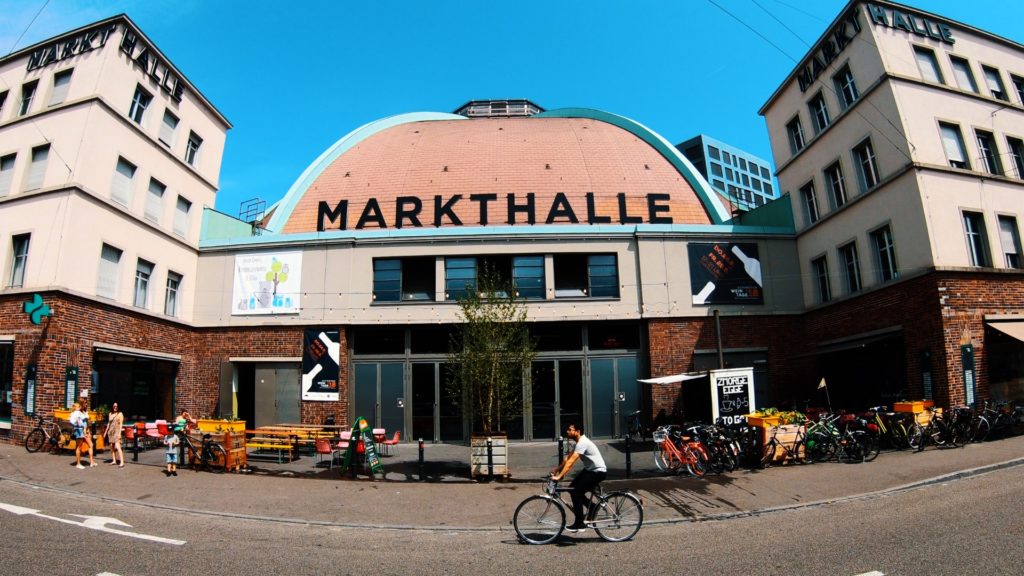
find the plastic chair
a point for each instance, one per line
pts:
(378, 437)
(140, 431)
(322, 447)
(393, 442)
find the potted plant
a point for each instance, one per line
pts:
(490, 352)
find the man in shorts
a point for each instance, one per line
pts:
(594, 471)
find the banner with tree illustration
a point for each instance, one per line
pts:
(267, 283)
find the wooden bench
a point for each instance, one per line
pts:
(280, 443)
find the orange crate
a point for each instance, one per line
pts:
(763, 421)
(913, 407)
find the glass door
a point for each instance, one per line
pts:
(557, 397)
(614, 393)
(378, 388)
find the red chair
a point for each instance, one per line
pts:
(323, 448)
(393, 442)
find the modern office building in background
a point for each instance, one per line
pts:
(743, 179)
(891, 263)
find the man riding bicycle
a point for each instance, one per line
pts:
(594, 471)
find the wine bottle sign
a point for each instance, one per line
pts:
(725, 273)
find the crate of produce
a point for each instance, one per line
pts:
(762, 420)
(913, 407)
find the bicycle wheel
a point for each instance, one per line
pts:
(872, 445)
(768, 456)
(980, 429)
(618, 517)
(916, 437)
(661, 458)
(820, 447)
(63, 439)
(539, 519)
(218, 458)
(696, 461)
(35, 440)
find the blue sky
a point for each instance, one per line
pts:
(294, 77)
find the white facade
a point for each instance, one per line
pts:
(929, 201)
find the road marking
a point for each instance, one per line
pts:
(872, 573)
(99, 523)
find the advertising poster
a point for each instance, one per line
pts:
(320, 357)
(732, 394)
(267, 283)
(725, 273)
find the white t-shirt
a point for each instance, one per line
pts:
(590, 455)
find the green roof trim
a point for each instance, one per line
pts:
(716, 210)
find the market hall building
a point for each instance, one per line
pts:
(336, 301)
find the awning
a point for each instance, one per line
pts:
(857, 342)
(673, 378)
(1011, 329)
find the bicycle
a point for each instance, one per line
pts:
(672, 451)
(47, 433)
(634, 427)
(210, 455)
(795, 449)
(950, 428)
(615, 516)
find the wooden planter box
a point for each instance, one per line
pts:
(478, 455)
(763, 421)
(913, 407)
(65, 415)
(788, 435)
(221, 426)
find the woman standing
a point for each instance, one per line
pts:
(115, 423)
(80, 432)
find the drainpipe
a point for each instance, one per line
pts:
(718, 335)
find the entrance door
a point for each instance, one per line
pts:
(436, 412)
(614, 392)
(378, 388)
(557, 397)
(277, 394)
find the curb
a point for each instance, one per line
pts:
(950, 477)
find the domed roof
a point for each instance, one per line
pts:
(559, 167)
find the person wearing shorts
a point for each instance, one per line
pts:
(80, 432)
(171, 441)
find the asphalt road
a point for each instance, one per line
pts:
(966, 526)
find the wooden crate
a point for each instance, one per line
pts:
(913, 407)
(763, 421)
(788, 435)
(478, 456)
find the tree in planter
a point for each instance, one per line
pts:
(490, 351)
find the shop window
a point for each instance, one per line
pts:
(19, 259)
(403, 279)
(613, 336)
(431, 339)
(367, 340)
(557, 336)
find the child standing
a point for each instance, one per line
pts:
(171, 441)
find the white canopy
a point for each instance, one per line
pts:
(673, 378)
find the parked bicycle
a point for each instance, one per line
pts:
(209, 454)
(635, 427)
(673, 452)
(951, 428)
(892, 428)
(794, 450)
(993, 422)
(615, 516)
(826, 440)
(47, 433)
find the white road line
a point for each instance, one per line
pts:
(99, 523)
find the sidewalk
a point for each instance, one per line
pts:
(448, 499)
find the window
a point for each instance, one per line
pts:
(1016, 155)
(756, 184)
(716, 169)
(836, 185)
(181, 216)
(846, 88)
(718, 184)
(61, 83)
(977, 245)
(459, 277)
(867, 170)
(851, 267)
(167, 128)
(140, 101)
(995, 83)
(583, 275)
(143, 271)
(819, 113)
(1009, 237)
(19, 260)
(155, 200)
(1018, 86)
(767, 188)
(796, 135)
(729, 174)
(928, 65)
(820, 266)
(953, 143)
(963, 74)
(528, 277)
(810, 202)
(713, 152)
(743, 164)
(989, 152)
(885, 251)
(765, 174)
(3, 100)
(403, 279)
(28, 92)
(171, 294)
(106, 280)
(6, 173)
(746, 179)
(122, 183)
(37, 169)
(192, 149)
